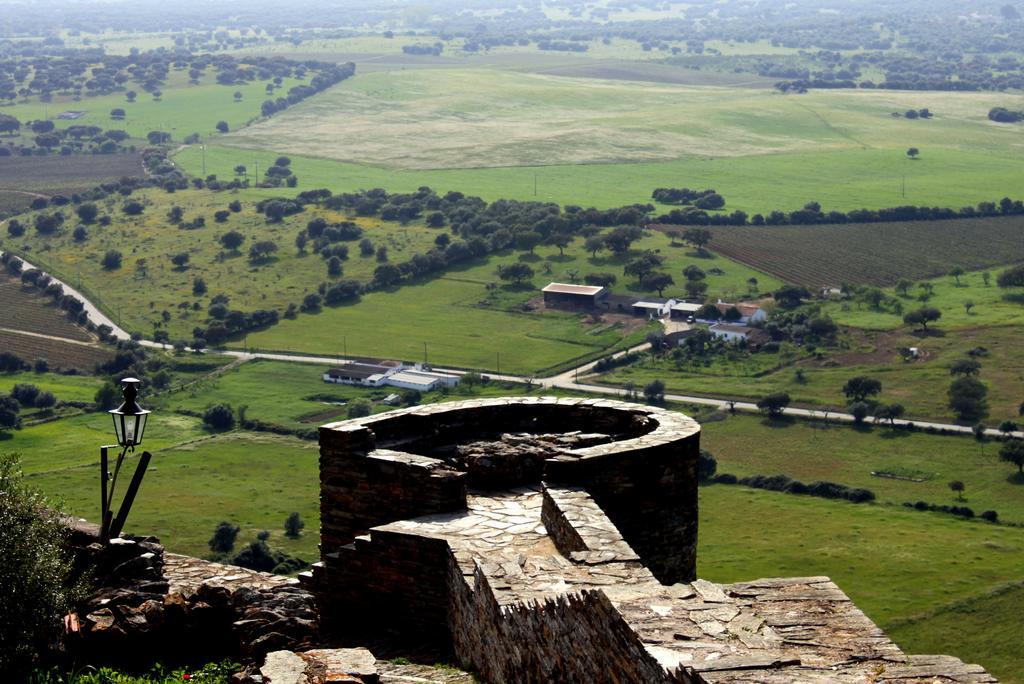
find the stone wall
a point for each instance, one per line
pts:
(361, 486)
(576, 637)
(146, 605)
(374, 471)
(393, 586)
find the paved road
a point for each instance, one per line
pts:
(567, 380)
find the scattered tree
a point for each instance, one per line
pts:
(774, 405)
(359, 408)
(965, 367)
(516, 272)
(293, 525)
(967, 398)
(657, 281)
(922, 317)
(913, 152)
(654, 392)
(890, 412)
(861, 387)
(111, 260)
(1013, 452)
(224, 536)
(958, 487)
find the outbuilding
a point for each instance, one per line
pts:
(566, 296)
(731, 333)
(422, 381)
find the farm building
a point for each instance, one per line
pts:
(731, 333)
(367, 374)
(683, 309)
(563, 295)
(749, 313)
(421, 380)
(650, 309)
(659, 308)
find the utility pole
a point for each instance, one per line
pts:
(498, 356)
(344, 347)
(424, 353)
(903, 188)
(534, 185)
(203, 148)
(256, 179)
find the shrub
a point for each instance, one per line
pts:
(219, 417)
(25, 393)
(223, 539)
(293, 526)
(991, 516)
(707, 465)
(35, 572)
(358, 408)
(112, 260)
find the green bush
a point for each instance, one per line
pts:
(34, 573)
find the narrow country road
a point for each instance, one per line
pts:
(567, 380)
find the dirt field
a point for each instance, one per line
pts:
(58, 175)
(873, 253)
(31, 312)
(59, 354)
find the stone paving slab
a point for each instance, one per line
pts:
(186, 574)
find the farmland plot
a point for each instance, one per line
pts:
(873, 253)
(21, 309)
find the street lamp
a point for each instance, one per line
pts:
(129, 428)
(129, 417)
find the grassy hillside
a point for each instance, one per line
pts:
(608, 142)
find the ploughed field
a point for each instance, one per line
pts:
(873, 253)
(27, 310)
(57, 353)
(22, 179)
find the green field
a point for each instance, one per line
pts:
(284, 280)
(600, 142)
(811, 452)
(992, 306)
(182, 110)
(919, 385)
(295, 396)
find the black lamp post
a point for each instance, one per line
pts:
(129, 428)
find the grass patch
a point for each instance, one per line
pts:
(892, 562)
(975, 629)
(809, 451)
